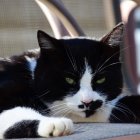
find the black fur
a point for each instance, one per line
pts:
(54, 65)
(16, 83)
(18, 88)
(57, 59)
(127, 110)
(24, 129)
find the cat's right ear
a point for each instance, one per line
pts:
(115, 37)
(46, 41)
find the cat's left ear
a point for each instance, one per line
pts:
(46, 41)
(115, 37)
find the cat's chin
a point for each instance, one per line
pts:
(75, 114)
(81, 117)
(82, 114)
(89, 113)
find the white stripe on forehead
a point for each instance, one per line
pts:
(87, 77)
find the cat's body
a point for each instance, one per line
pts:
(79, 78)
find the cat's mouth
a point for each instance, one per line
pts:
(92, 108)
(89, 113)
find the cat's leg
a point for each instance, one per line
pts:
(126, 110)
(21, 122)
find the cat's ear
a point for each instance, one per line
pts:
(46, 41)
(115, 37)
(49, 47)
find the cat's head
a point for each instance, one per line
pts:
(79, 75)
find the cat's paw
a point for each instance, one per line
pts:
(49, 127)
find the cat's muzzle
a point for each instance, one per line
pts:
(92, 107)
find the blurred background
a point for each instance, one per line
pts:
(20, 20)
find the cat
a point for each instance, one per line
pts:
(80, 78)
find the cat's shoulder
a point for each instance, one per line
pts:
(29, 57)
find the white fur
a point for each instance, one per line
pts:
(85, 81)
(9, 117)
(18, 114)
(85, 93)
(101, 115)
(56, 126)
(32, 64)
(69, 106)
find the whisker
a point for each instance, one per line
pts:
(53, 106)
(128, 110)
(111, 57)
(59, 109)
(40, 96)
(59, 112)
(53, 109)
(121, 110)
(115, 117)
(109, 65)
(125, 110)
(56, 109)
(72, 60)
(67, 112)
(111, 114)
(126, 89)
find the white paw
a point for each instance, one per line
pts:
(55, 127)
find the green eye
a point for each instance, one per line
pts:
(100, 81)
(70, 81)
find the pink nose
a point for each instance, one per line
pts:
(87, 102)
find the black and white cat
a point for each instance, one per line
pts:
(79, 78)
